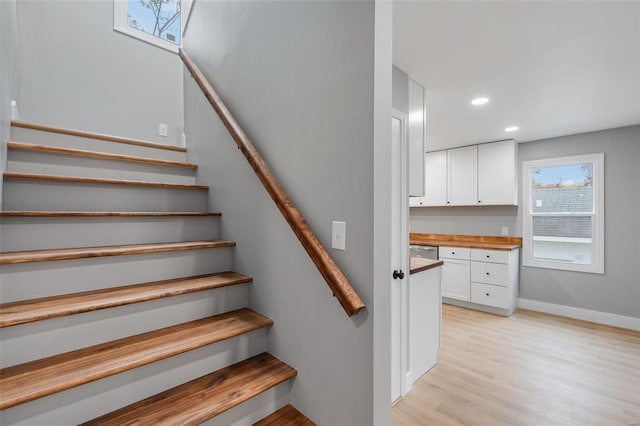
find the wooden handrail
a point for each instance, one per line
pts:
(332, 274)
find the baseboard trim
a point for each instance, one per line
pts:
(615, 320)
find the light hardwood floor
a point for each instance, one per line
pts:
(528, 369)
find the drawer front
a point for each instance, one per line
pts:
(461, 253)
(490, 273)
(493, 256)
(491, 295)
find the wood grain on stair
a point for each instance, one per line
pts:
(13, 257)
(26, 382)
(94, 154)
(332, 274)
(286, 416)
(92, 135)
(23, 213)
(205, 397)
(100, 181)
(32, 310)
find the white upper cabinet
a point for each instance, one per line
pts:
(462, 173)
(417, 134)
(435, 184)
(476, 175)
(498, 173)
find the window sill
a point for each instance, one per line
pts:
(147, 38)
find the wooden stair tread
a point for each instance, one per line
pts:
(32, 310)
(100, 181)
(286, 416)
(36, 379)
(92, 135)
(205, 397)
(13, 257)
(23, 213)
(95, 154)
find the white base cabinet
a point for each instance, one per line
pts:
(484, 278)
(456, 272)
(425, 310)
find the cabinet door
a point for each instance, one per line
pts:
(416, 139)
(415, 201)
(456, 283)
(435, 179)
(463, 176)
(497, 173)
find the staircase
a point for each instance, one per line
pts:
(119, 305)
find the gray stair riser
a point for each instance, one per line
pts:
(65, 165)
(44, 279)
(40, 195)
(20, 233)
(255, 408)
(88, 401)
(55, 139)
(59, 335)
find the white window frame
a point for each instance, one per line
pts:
(597, 215)
(120, 24)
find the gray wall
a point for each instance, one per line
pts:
(618, 290)
(485, 220)
(8, 76)
(76, 71)
(298, 76)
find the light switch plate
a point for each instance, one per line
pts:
(339, 235)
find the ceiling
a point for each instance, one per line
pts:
(552, 68)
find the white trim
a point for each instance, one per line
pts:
(597, 249)
(406, 383)
(631, 323)
(185, 13)
(575, 240)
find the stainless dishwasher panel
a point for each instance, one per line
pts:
(425, 252)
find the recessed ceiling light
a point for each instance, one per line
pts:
(479, 101)
(511, 128)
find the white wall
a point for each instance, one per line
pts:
(76, 72)
(400, 99)
(299, 78)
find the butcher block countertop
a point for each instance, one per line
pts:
(418, 264)
(469, 241)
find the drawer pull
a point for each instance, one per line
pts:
(453, 252)
(488, 256)
(487, 273)
(487, 294)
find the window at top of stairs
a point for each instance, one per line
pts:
(157, 22)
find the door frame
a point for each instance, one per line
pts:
(400, 244)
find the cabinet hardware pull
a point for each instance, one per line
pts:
(398, 274)
(488, 256)
(487, 294)
(487, 273)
